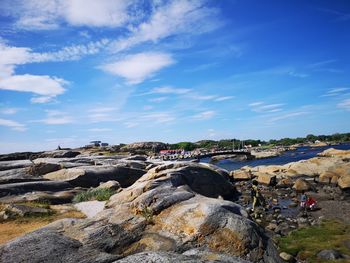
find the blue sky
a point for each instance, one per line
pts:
(72, 71)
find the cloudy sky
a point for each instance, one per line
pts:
(72, 71)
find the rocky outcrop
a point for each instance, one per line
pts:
(332, 167)
(25, 187)
(176, 211)
(48, 245)
(92, 176)
(60, 154)
(8, 165)
(144, 146)
(187, 257)
(265, 154)
(19, 156)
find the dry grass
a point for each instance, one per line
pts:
(18, 227)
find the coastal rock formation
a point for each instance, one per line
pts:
(301, 185)
(144, 146)
(332, 166)
(175, 210)
(92, 176)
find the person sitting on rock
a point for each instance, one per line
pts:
(303, 200)
(311, 203)
(257, 198)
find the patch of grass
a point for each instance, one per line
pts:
(147, 213)
(305, 243)
(101, 194)
(20, 226)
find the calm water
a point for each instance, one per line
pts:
(301, 153)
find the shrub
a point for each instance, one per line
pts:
(99, 194)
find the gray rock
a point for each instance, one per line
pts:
(21, 188)
(92, 176)
(113, 185)
(169, 257)
(159, 257)
(17, 175)
(15, 210)
(329, 254)
(46, 245)
(39, 169)
(8, 165)
(137, 158)
(286, 257)
(60, 154)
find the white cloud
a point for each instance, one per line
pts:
(262, 107)
(159, 99)
(9, 111)
(99, 130)
(158, 117)
(224, 98)
(138, 67)
(288, 116)
(345, 104)
(169, 90)
(172, 18)
(48, 87)
(102, 109)
(205, 115)
(335, 92)
(48, 14)
(13, 125)
(55, 117)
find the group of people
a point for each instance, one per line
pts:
(306, 202)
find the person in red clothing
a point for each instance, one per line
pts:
(311, 203)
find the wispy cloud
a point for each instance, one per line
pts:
(138, 67)
(55, 117)
(205, 115)
(158, 99)
(172, 18)
(14, 125)
(48, 15)
(345, 104)
(324, 66)
(288, 116)
(169, 90)
(335, 92)
(9, 111)
(262, 107)
(99, 130)
(224, 98)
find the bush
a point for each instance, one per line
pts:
(99, 194)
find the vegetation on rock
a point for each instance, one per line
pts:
(99, 194)
(305, 243)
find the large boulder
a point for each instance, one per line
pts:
(301, 185)
(267, 179)
(48, 245)
(344, 182)
(25, 187)
(92, 176)
(240, 175)
(8, 165)
(17, 175)
(39, 169)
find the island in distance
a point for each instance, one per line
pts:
(158, 202)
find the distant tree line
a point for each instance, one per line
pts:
(237, 144)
